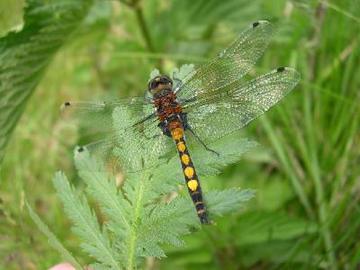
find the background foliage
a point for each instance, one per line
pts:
(306, 213)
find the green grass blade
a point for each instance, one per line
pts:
(52, 239)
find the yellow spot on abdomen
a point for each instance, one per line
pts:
(192, 184)
(177, 133)
(181, 146)
(185, 159)
(189, 172)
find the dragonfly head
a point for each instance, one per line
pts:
(159, 83)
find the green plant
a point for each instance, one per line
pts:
(310, 140)
(136, 220)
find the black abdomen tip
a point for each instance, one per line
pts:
(202, 214)
(204, 219)
(280, 69)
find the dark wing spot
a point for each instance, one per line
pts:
(67, 103)
(80, 149)
(255, 24)
(280, 69)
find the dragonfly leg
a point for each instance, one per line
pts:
(152, 137)
(183, 118)
(200, 141)
(144, 119)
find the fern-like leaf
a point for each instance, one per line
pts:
(138, 219)
(94, 240)
(140, 224)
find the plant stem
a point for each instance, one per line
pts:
(134, 227)
(135, 5)
(315, 167)
(144, 29)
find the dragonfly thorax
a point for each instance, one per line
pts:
(166, 104)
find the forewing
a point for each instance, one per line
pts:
(96, 117)
(114, 128)
(232, 107)
(231, 64)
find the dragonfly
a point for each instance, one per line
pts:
(210, 102)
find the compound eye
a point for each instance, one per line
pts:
(166, 81)
(154, 84)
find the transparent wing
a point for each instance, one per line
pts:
(142, 146)
(95, 118)
(100, 111)
(116, 129)
(231, 64)
(234, 106)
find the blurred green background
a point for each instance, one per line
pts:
(306, 214)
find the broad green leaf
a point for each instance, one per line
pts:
(25, 55)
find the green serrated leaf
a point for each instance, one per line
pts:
(94, 241)
(25, 55)
(228, 200)
(145, 224)
(102, 188)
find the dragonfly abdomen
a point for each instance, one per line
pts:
(191, 178)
